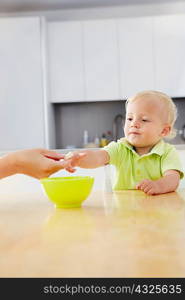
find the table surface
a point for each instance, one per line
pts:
(120, 234)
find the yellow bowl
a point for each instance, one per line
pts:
(68, 192)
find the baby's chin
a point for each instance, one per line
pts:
(135, 143)
(141, 144)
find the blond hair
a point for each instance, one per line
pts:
(171, 109)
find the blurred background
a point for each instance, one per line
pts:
(67, 67)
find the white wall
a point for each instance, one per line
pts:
(21, 92)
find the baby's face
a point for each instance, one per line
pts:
(145, 122)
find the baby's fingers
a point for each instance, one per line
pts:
(74, 156)
(70, 169)
(74, 160)
(141, 185)
(146, 189)
(78, 156)
(151, 192)
(144, 183)
(138, 186)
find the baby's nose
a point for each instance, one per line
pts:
(135, 123)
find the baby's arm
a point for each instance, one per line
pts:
(91, 159)
(168, 183)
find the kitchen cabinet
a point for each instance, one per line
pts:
(21, 92)
(83, 61)
(169, 48)
(101, 60)
(66, 65)
(135, 43)
(110, 59)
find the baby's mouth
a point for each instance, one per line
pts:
(134, 132)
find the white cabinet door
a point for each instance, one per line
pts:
(66, 61)
(169, 41)
(21, 93)
(101, 60)
(136, 55)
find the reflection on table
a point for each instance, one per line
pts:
(120, 234)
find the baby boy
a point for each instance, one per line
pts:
(143, 160)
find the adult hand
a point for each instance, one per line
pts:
(38, 163)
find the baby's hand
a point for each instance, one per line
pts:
(72, 160)
(148, 186)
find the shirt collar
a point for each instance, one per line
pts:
(158, 149)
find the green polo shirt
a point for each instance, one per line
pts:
(131, 168)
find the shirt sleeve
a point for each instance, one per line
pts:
(114, 152)
(171, 161)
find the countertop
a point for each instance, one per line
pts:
(119, 234)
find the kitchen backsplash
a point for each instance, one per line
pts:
(72, 119)
(180, 103)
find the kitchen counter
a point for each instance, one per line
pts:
(120, 234)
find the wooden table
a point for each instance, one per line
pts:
(121, 234)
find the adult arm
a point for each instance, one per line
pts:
(37, 163)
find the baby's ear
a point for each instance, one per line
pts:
(166, 130)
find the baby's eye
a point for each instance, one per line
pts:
(129, 119)
(145, 120)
